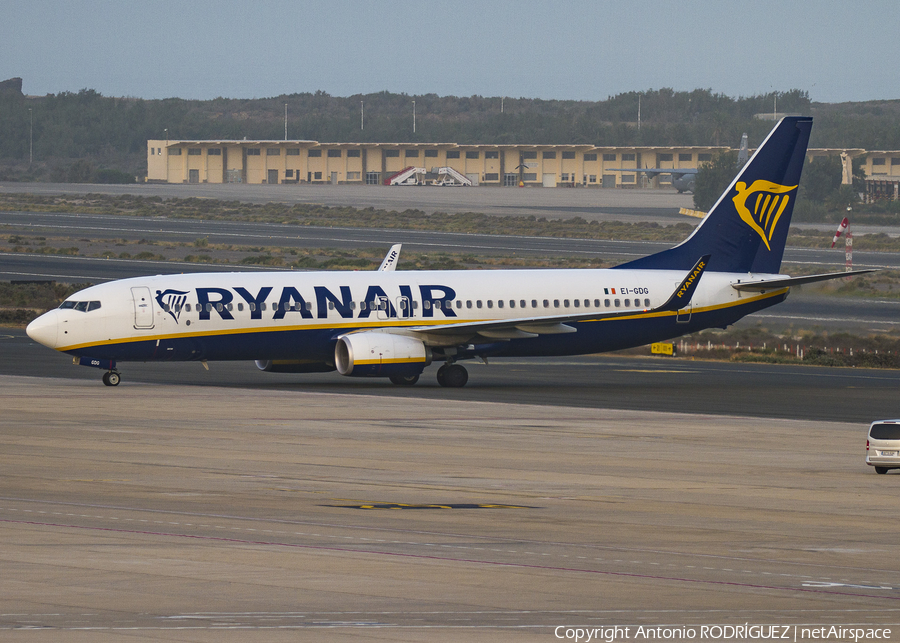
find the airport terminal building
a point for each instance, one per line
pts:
(312, 162)
(374, 163)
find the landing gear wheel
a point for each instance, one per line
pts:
(452, 376)
(404, 380)
(881, 470)
(111, 378)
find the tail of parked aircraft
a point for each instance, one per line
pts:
(746, 230)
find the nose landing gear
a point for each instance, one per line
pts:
(111, 378)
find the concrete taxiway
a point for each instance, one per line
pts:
(165, 512)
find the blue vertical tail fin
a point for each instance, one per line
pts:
(746, 230)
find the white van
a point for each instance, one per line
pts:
(883, 445)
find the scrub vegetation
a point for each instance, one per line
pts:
(808, 347)
(83, 136)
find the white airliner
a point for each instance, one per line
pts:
(394, 323)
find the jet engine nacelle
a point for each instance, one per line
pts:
(377, 354)
(293, 366)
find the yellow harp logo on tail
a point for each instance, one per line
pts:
(767, 201)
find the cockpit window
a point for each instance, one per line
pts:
(81, 306)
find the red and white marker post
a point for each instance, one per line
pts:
(844, 230)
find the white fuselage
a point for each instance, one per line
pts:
(239, 310)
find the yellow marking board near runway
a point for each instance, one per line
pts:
(662, 348)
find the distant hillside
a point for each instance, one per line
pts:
(112, 132)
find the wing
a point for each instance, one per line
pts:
(656, 171)
(525, 327)
(390, 259)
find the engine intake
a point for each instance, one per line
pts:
(380, 354)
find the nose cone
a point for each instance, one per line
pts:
(45, 329)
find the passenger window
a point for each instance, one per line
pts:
(240, 307)
(512, 303)
(427, 304)
(209, 308)
(556, 303)
(478, 304)
(577, 303)
(618, 303)
(566, 303)
(187, 307)
(546, 303)
(353, 305)
(252, 307)
(490, 303)
(606, 302)
(415, 305)
(587, 303)
(647, 303)
(330, 305)
(459, 303)
(219, 307)
(362, 305)
(596, 303)
(522, 303)
(262, 306)
(534, 303)
(230, 306)
(468, 303)
(499, 303)
(437, 304)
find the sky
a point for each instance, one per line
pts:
(564, 49)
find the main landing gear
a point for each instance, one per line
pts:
(452, 376)
(404, 380)
(111, 378)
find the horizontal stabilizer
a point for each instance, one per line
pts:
(762, 285)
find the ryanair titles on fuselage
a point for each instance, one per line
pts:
(433, 297)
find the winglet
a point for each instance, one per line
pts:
(391, 259)
(682, 295)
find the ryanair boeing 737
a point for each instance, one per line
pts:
(394, 323)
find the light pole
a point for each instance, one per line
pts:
(31, 138)
(414, 117)
(362, 122)
(285, 121)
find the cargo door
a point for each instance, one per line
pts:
(143, 307)
(549, 180)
